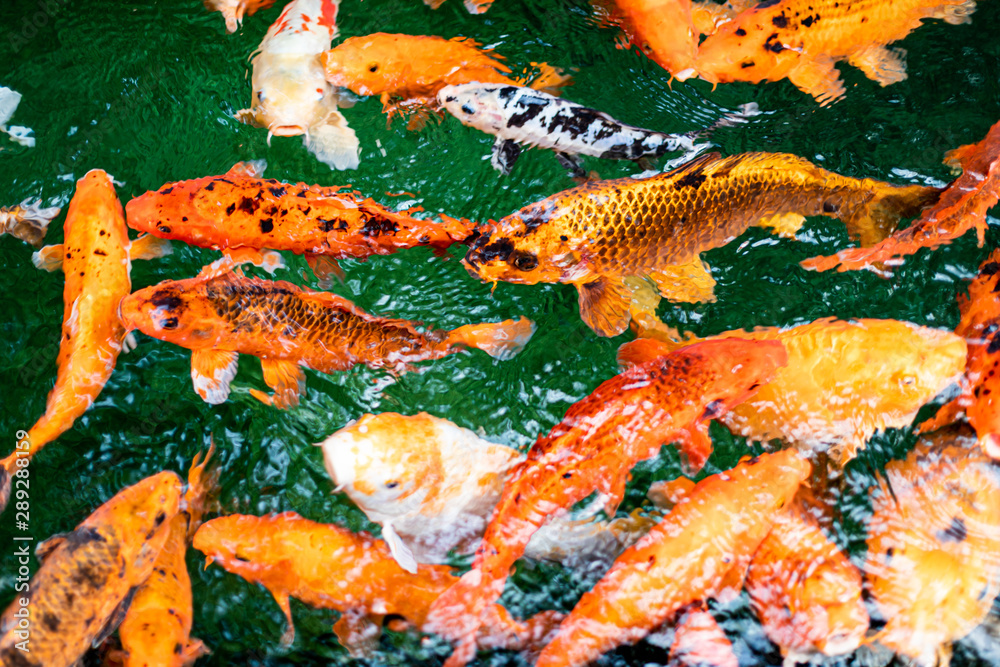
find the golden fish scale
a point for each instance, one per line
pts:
(637, 225)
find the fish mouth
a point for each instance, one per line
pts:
(287, 131)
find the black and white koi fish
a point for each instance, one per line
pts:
(517, 115)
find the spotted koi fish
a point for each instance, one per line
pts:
(240, 213)
(683, 559)
(610, 238)
(624, 421)
(844, 381)
(330, 567)
(88, 577)
(962, 206)
(518, 115)
(96, 260)
(27, 221)
(234, 10)
(803, 39)
(288, 327)
(933, 567)
(980, 327)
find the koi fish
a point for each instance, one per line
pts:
(803, 39)
(844, 381)
(290, 95)
(234, 10)
(607, 237)
(518, 115)
(683, 559)
(288, 327)
(9, 101)
(157, 627)
(933, 568)
(980, 327)
(87, 577)
(805, 590)
(962, 206)
(700, 642)
(329, 567)
(624, 421)
(663, 30)
(27, 221)
(95, 258)
(413, 68)
(435, 495)
(240, 212)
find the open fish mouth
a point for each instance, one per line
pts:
(287, 131)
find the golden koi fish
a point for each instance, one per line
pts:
(604, 237)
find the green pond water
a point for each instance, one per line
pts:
(146, 91)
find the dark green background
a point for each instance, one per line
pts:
(147, 92)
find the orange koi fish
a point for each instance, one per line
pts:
(805, 590)
(239, 212)
(605, 237)
(844, 381)
(933, 565)
(413, 68)
(157, 628)
(700, 642)
(27, 221)
(980, 327)
(95, 258)
(290, 96)
(683, 559)
(288, 327)
(803, 39)
(234, 10)
(624, 421)
(329, 567)
(962, 206)
(87, 577)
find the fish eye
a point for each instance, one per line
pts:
(467, 108)
(169, 323)
(260, 95)
(373, 68)
(391, 485)
(525, 262)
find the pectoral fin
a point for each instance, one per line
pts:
(665, 494)
(46, 547)
(785, 225)
(641, 351)
(324, 267)
(148, 246)
(818, 77)
(250, 168)
(269, 260)
(211, 373)
(398, 548)
(357, 633)
(573, 164)
(881, 64)
(695, 447)
(505, 154)
(334, 143)
(685, 283)
(289, 635)
(287, 380)
(604, 306)
(49, 258)
(249, 117)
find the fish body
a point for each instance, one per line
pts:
(87, 577)
(664, 30)
(803, 39)
(624, 421)
(933, 567)
(95, 257)
(288, 327)
(519, 115)
(980, 327)
(600, 235)
(805, 590)
(329, 567)
(290, 94)
(27, 221)
(432, 485)
(239, 210)
(961, 207)
(844, 381)
(234, 10)
(684, 558)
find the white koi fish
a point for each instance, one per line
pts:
(291, 96)
(432, 486)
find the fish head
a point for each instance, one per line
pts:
(748, 364)
(527, 248)
(368, 65)
(747, 49)
(388, 464)
(477, 105)
(289, 93)
(236, 537)
(171, 213)
(175, 311)
(917, 365)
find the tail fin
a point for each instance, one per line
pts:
(49, 258)
(27, 221)
(202, 486)
(549, 79)
(500, 341)
(878, 218)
